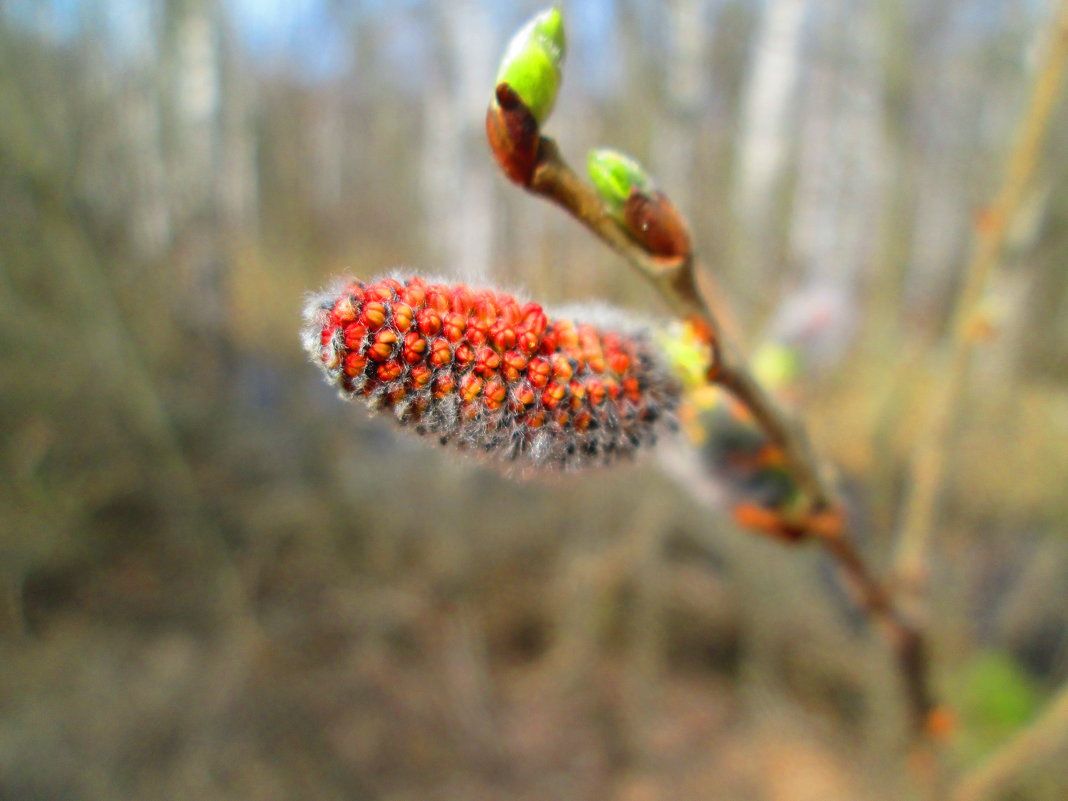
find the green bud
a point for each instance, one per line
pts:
(644, 212)
(532, 64)
(615, 175)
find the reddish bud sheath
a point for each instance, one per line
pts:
(513, 135)
(654, 222)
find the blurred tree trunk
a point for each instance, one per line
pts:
(459, 209)
(940, 224)
(685, 100)
(190, 73)
(842, 152)
(765, 136)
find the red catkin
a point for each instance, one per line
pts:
(482, 370)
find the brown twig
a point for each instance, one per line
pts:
(675, 278)
(551, 178)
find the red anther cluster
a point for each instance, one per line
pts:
(489, 372)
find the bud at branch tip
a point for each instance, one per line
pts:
(533, 62)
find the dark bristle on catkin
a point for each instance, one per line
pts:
(486, 372)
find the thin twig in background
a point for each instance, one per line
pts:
(931, 457)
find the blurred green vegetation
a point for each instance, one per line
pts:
(996, 697)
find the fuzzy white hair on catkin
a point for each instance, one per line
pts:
(604, 318)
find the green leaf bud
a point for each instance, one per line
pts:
(615, 175)
(532, 64)
(643, 211)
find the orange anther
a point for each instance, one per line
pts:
(477, 332)
(618, 361)
(421, 375)
(494, 392)
(382, 347)
(444, 384)
(539, 371)
(464, 354)
(502, 335)
(380, 291)
(453, 325)
(354, 334)
(414, 347)
(390, 371)
(428, 322)
(470, 387)
(354, 364)
(488, 362)
(553, 394)
(561, 367)
(402, 316)
(527, 340)
(374, 315)
(440, 353)
(345, 310)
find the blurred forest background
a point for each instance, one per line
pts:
(218, 581)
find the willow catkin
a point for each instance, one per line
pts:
(482, 370)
